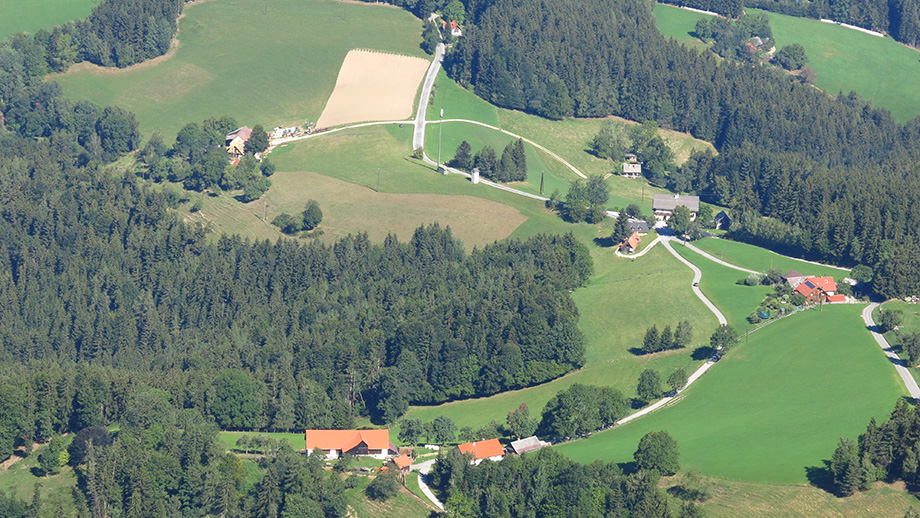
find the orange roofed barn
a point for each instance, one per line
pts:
(335, 443)
(490, 449)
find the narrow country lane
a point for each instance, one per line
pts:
(697, 275)
(899, 365)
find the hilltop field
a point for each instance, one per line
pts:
(30, 16)
(878, 69)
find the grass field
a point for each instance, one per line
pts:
(760, 259)
(772, 407)
(736, 301)
(283, 74)
(878, 69)
(403, 505)
(735, 499)
(21, 16)
(623, 299)
(568, 138)
(19, 481)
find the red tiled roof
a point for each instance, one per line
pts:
(483, 449)
(806, 288)
(825, 283)
(242, 132)
(633, 240)
(347, 439)
(836, 298)
(403, 461)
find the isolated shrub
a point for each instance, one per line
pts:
(384, 487)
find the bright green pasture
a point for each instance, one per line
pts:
(624, 298)
(21, 16)
(263, 63)
(772, 407)
(296, 440)
(736, 301)
(760, 259)
(677, 23)
(879, 69)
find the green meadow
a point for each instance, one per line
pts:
(271, 64)
(760, 259)
(878, 69)
(772, 407)
(735, 301)
(568, 138)
(19, 479)
(21, 16)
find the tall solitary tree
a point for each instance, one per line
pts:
(658, 451)
(649, 386)
(463, 157)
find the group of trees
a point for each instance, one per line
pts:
(582, 409)
(199, 161)
(546, 484)
(512, 167)
(889, 451)
(615, 139)
(655, 342)
(649, 386)
(585, 201)
(309, 219)
(733, 38)
(117, 33)
(441, 430)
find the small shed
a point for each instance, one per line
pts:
(527, 444)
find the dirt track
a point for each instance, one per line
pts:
(373, 86)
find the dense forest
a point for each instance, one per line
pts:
(898, 18)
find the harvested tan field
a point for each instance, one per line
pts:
(373, 86)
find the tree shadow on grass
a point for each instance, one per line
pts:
(637, 351)
(604, 242)
(821, 476)
(628, 467)
(703, 353)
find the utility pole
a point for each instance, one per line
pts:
(541, 182)
(440, 131)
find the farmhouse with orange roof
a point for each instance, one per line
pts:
(489, 449)
(335, 443)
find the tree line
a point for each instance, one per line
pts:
(547, 484)
(511, 167)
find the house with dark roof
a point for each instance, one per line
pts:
(489, 449)
(722, 221)
(663, 205)
(335, 443)
(638, 225)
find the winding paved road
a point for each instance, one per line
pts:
(697, 275)
(418, 138)
(899, 365)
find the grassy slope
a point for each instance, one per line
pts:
(736, 301)
(19, 481)
(878, 69)
(568, 138)
(270, 69)
(30, 16)
(403, 505)
(620, 302)
(772, 407)
(910, 324)
(761, 259)
(734, 499)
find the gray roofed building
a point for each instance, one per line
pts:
(664, 204)
(638, 226)
(528, 444)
